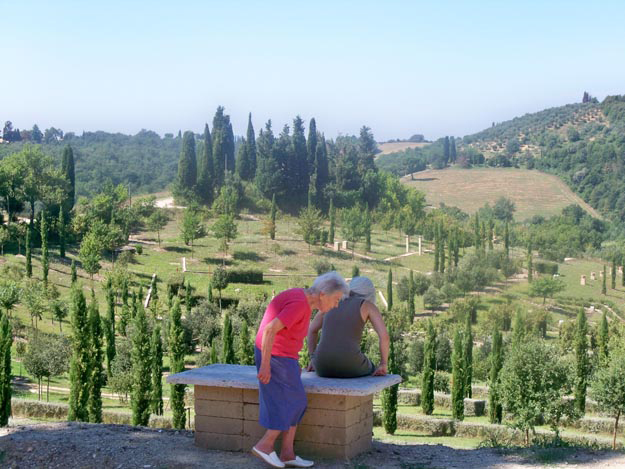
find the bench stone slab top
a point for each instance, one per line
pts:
(244, 377)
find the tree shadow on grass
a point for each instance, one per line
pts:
(178, 249)
(248, 256)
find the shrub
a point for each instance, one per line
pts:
(322, 266)
(441, 381)
(251, 276)
(544, 267)
(139, 249)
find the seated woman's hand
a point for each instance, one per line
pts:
(381, 370)
(310, 367)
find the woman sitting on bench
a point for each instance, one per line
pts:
(338, 354)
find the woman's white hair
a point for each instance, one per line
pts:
(363, 288)
(329, 283)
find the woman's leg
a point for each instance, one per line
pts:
(287, 453)
(267, 442)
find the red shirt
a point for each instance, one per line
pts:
(292, 308)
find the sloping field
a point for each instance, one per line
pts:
(392, 147)
(533, 192)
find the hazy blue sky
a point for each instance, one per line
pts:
(400, 67)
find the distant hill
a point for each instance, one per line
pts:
(533, 192)
(583, 144)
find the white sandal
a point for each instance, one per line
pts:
(299, 462)
(272, 459)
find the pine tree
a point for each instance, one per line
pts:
(389, 395)
(6, 341)
(45, 260)
(110, 327)
(246, 346)
(495, 411)
(228, 341)
(458, 378)
(604, 288)
(96, 372)
(29, 261)
(582, 364)
(187, 164)
(67, 168)
(156, 356)
(332, 222)
(389, 290)
(141, 369)
(176, 359)
(468, 357)
(205, 176)
(61, 231)
(74, 275)
(429, 362)
(603, 339)
(79, 368)
(613, 273)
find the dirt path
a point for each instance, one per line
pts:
(72, 445)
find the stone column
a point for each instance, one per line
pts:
(337, 245)
(420, 240)
(593, 276)
(582, 280)
(344, 246)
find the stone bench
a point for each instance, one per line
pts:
(338, 422)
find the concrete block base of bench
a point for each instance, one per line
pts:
(338, 422)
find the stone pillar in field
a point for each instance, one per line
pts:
(593, 276)
(601, 273)
(582, 280)
(337, 245)
(407, 244)
(344, 246)
(420, 240)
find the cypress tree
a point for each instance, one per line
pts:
(613, 273)
(603, 339)
(506, 239)
(188, 299)
(389, 395)
(214, 358)
(268, 171)
(205, 169)
(355, 271)
(96, 378)
(243, 163)
(125, 292)
(311, 147)
(436, 249)
(141, 369)
(79, 368)
(67, 168)
(490, 235)
(29, 261)
(156, 355)
(332, 222)
(530, 264)
(429, 361)
(209, 296)
(61, 229)
(518, 328)
(476, 232)
(124, 319)
(581, 359)
(452, 149)
(411, 294)
(176, 358)
(441, 253)
(457, 377)
(495, 411)
(228, 341)
(110, 328)
(446, 151)
(622, 275)
(246, 346)
(187, 164)
(604, 288)
(74, 273)
(298, 163)
(322, 171)
(389, 289)
(468, 357)
(274, 211)
(251, 144)
(483, 237)
(6, 341)
(45, 260)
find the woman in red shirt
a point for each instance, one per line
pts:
(279, 339)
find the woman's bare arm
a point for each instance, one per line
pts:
(269, 336)
(372, 313)
(312, 337)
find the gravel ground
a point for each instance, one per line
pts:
(64, 445)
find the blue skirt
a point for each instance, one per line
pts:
(282, 401)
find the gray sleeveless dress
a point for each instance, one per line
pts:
(338, 354)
